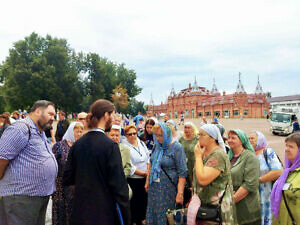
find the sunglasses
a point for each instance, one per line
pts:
(131, 134)
(81, 118)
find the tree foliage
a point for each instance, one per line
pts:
(134, 107)
(104, 75)
(41, 68)
(47, 68)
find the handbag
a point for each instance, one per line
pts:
(177, 216)
(211, 212)
(187, 193)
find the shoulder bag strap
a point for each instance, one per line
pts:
(221, 199)
(168, 177)
(266, 157)
(29, 131)
(288, 208)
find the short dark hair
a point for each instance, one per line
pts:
(41, 104)
(62, 113)
(294, 137)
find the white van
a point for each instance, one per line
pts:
(282, 119)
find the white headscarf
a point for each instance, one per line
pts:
(214, 132)
(115, 127)
(69, 135)
(172, 122)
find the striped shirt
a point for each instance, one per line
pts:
(32, 167)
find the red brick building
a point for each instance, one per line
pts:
(196, 101)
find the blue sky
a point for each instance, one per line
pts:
(169, 42)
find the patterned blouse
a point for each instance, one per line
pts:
(212, 193)
(63, 196)
(266, 188)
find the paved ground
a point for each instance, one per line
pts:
(248, 125)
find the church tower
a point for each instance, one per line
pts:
(258, 89)
(240, 87)
(214, 89)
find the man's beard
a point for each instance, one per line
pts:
(108, 125)
(44, 126)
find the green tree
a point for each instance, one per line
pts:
(100, 80)
(103, 76)
(127, 79)
(268, 94)
(47, 68)
(41, 68)
(134, 108)
(2, 101)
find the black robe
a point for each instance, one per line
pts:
(94, 166)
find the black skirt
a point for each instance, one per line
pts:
(138, 203)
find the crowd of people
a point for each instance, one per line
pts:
(102, 169)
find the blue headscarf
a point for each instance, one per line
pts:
(159, 150)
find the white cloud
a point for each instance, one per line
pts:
(169, 42)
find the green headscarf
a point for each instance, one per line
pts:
(245, 142)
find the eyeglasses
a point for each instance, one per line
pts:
(201, 135)
(131, 134)
(81, 118)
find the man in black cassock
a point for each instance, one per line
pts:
(94, 166)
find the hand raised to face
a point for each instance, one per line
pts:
(198, 151)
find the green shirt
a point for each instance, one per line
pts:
(292, 196)
(211, 193)
(245, 173)
(189, 146)
(125, 154)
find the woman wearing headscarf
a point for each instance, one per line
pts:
(245, 177)
(288, 185)
(188, 142)
(63, 196)
(167, 159)
(270, 170)
(114, 134)
(212, 177)
(175, 132)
